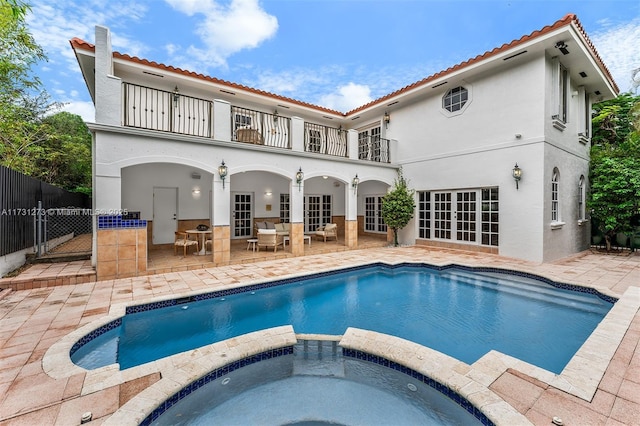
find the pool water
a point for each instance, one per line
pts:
(457, 312)
(315, 386)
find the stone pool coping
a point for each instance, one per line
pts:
(442, 368)
(580, 377)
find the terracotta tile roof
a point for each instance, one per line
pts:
(568, 19)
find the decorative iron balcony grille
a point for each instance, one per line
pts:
(325, 140)
(154, 109)
(374, 148)
(260, 128)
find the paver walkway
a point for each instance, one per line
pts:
(33, 320)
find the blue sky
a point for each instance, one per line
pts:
(336, 53)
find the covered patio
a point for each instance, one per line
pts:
(162, 259)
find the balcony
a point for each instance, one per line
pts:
(153, 109)
(260, 128)
(325, 140)
(172, 112)
(374, 148)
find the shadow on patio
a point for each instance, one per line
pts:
(161, 258)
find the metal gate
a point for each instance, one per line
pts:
(62, 231)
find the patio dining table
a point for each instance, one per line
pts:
(201, 237)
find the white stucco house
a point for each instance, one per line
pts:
(161, 134)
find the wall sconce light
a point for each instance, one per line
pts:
(517, 174)
(562, 47)
(176, 96)
(386, 118)
(275, 116)
(355, 182)
(268, 193)
(196, 191)
(222, 172)
(340, 129)
(299, 178)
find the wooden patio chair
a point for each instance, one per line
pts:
(182, 240)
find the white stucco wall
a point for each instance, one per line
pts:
(479, 148)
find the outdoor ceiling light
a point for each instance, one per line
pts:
(562, 47)
(386, 118)
(222, 172)
(299, 177)
(176, 96)
(355, 182)
(517, 174)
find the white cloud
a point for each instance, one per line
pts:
(347, 97)
(53, 26)
(85, 110)
(619, 47)
(226, 30)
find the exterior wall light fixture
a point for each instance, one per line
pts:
(517, 174)
(387, 119)
(222, 172)
(176, 97)
(299, 177)
(275, 116)
(562, 47)
(355, 182)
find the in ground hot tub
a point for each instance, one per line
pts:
(314, 383)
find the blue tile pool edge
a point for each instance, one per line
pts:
(211, 376)
(253, 287)
(274, 283)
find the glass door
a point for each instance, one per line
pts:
(312, 217)
(442, 215)
(466, 206)
(241, 215)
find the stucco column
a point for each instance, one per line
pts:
(352, 144)
(296, 205)
(351, 216)
(221, 231)
(297, 134)
(221, 123)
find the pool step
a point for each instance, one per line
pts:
(318, 358)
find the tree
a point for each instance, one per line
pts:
(65, 157)
(18, 52)
(54, 148)
(398, 206)
(615, 166)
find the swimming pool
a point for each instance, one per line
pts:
(459, 311)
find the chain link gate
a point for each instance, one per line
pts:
(59, 231)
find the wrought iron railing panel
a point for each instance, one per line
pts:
(374, 148)
(325, 140)
(154, 109)
(260, 128)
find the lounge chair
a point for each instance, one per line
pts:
(330, 230)
(268, 238)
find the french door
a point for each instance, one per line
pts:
(373, 221)
(455, 216)
(317, 211)
(242, 215)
